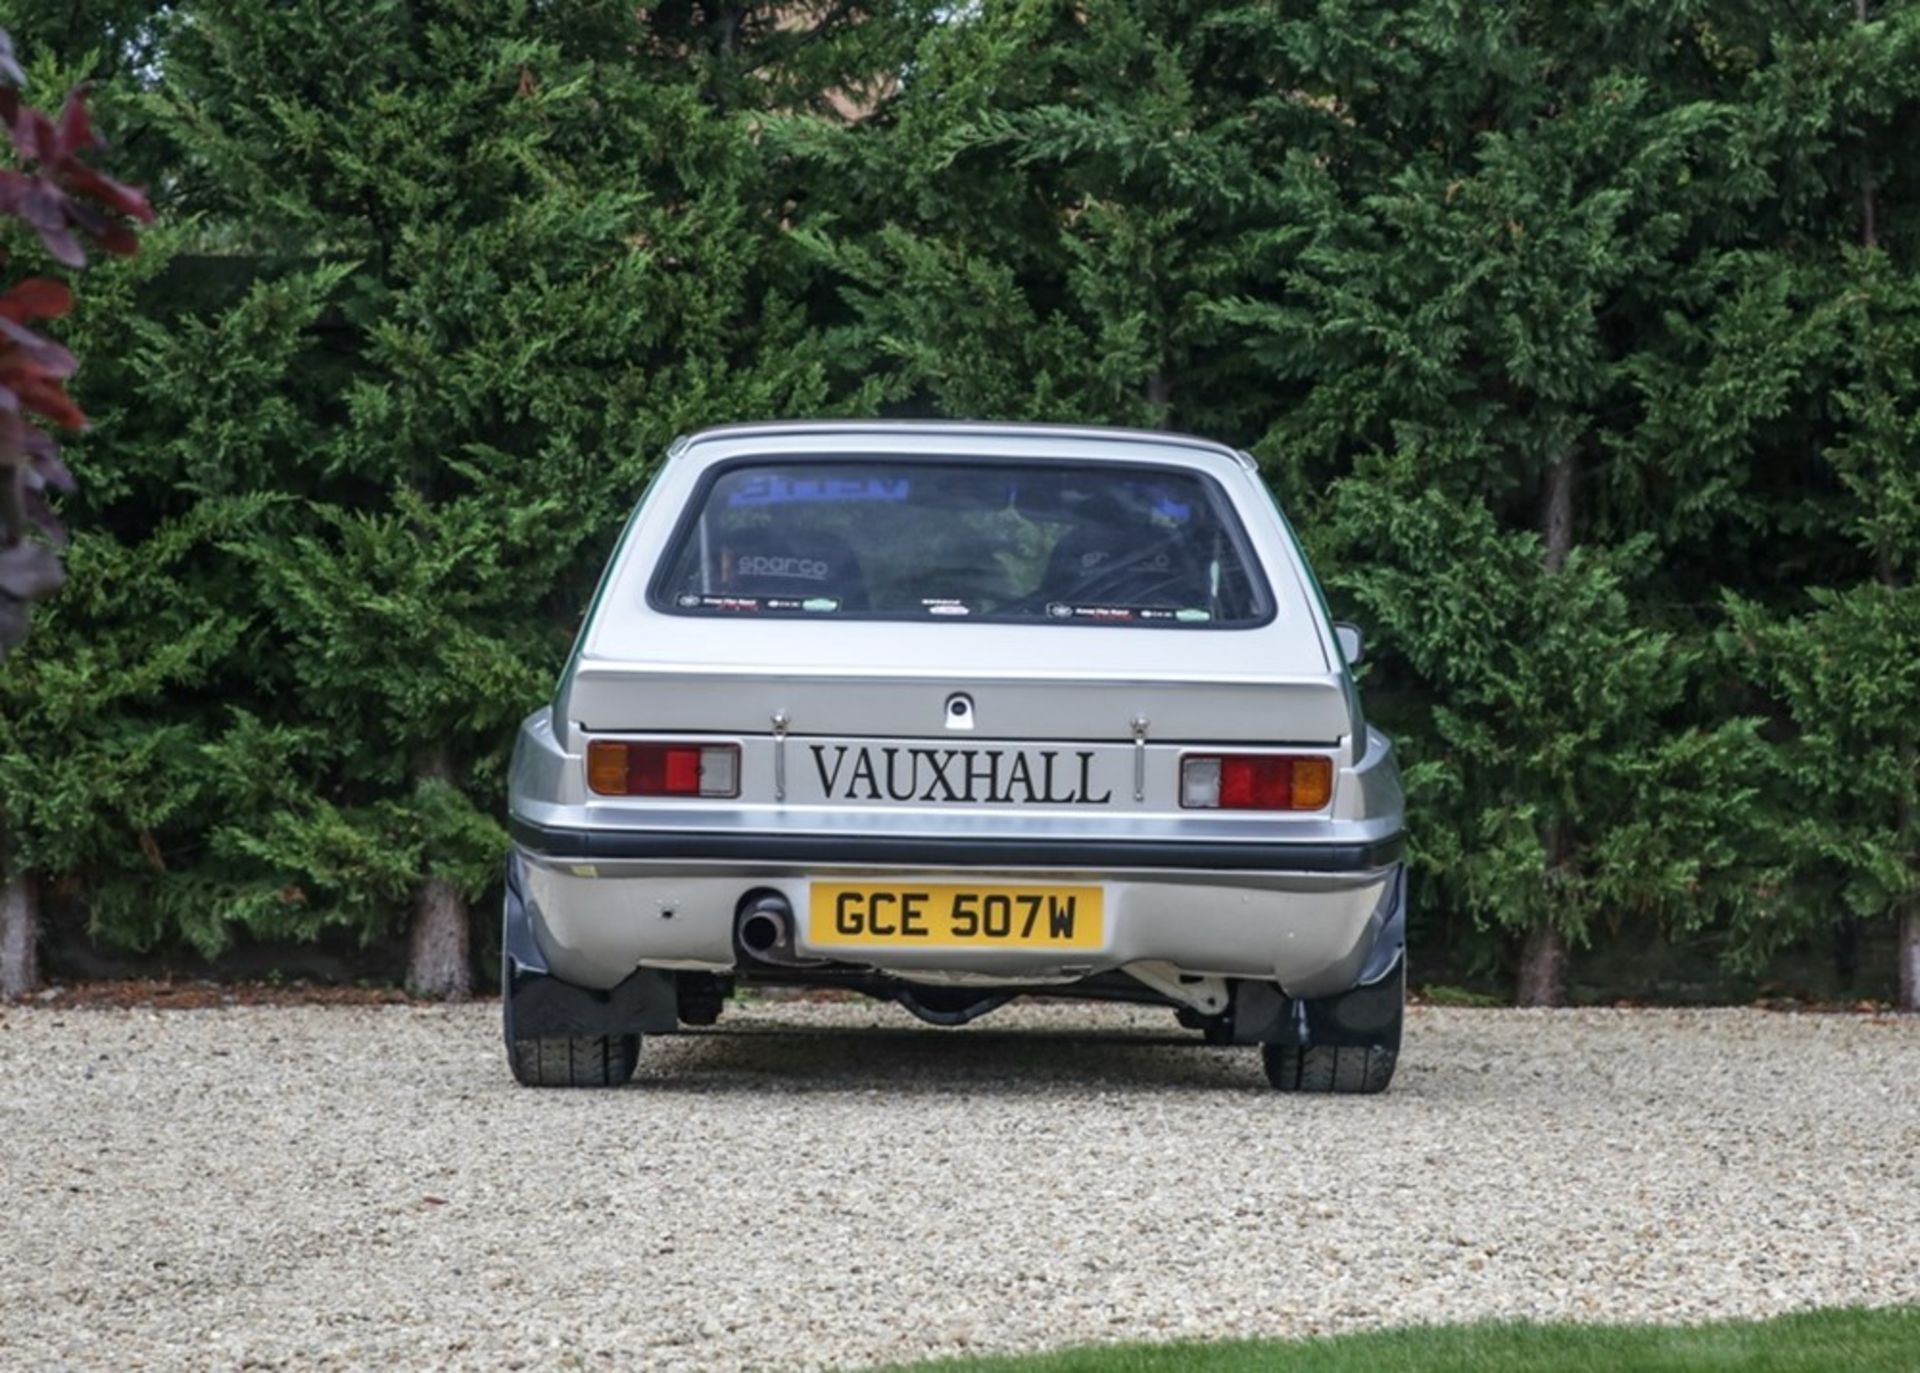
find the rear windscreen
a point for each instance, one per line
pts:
(1067, 543)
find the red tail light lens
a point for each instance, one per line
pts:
(616, 768)
(1255, 781)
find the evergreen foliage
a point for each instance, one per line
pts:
(1580, 346)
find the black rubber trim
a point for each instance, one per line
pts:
(1206, 855)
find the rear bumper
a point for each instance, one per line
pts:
(1316, 928)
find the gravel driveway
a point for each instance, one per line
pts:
(831, 1185)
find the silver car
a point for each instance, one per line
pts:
(947, 714)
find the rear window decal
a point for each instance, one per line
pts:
(812, 604)
(695, 601)
(1060, 610)
(777, 488)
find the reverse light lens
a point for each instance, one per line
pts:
(1255, 781)
(615, 768)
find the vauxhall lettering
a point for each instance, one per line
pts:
(964, 776)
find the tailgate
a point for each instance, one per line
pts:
(1165, 708)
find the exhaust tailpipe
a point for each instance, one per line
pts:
(764, 931)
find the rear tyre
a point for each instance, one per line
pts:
(1340, 1069)
(564, 1060)
(595, 1061)
(1352, 1041)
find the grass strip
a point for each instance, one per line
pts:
(1855, 1339)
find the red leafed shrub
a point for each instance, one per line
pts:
(65, 203)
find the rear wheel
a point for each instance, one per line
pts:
(565, 1060)
(1343, 1069)
(595, 1061)
(1352, 1041)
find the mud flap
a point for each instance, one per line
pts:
(538, 1005)
(1368, 1015)
(1261, 1014)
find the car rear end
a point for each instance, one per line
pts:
(947, 714)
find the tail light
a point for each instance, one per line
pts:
(615, 768)
(1255, 781)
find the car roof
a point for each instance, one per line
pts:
(918, 433)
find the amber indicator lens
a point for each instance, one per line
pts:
(617, 768)
(1312, 783)
(607, 768)
(1255, 781)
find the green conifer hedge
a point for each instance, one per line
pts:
(1580, 344)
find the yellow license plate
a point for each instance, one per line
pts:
(939, 915)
